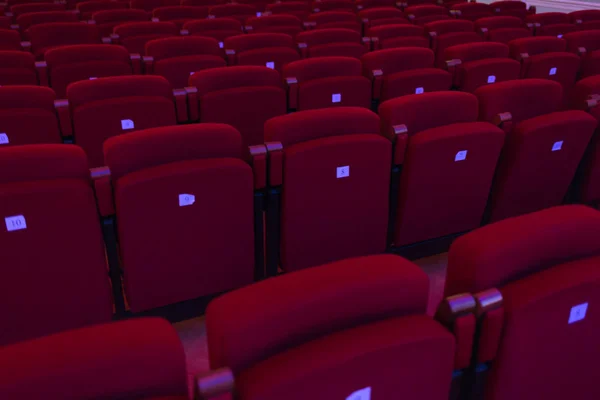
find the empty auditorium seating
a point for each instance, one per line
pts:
(478, 64)
(402, 71)
(333, 5)
(503, 29)
(201, 3)
(300, 9)
(68, 64)
(20, 9)
(326, 82)
(558, 30)
(196, 219)
(442, 42)
(87, 8)
(140, 358)
(387, 13)
(10, 40)
(548, 18)
(28, 19)
(149, 5)
(420, 14)
(586, 44)
(27, 115)
(180, 14)
(111, 106)
(272, 50)
(586, 19)
(241, 96)
(52, 241)
(17, 68)
(397, 35)
(333, 19)
(530, 273)
(439, 148)
(106, 20)
(437, 28)
(218, 28)
(176, 58)
(368, 4)
(547, 58)
(544, 145)
(471, 11)
(46, 36)
(511, 8)
(240, 12)
(333, 354)
(134, 35)
(332, 42)
(5, 22)
(289, 24)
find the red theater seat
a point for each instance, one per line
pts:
(20, 9)
(544, 145)
(134, 35)
(346, 220)
(437, 28)
(240, 12)
(50, 35)
(17, 68)
(27, 20)
(334, 19)
(218, 28)
(289, 24)
(149, 5)
(582, 16)
(334, 354)
(557, 30)
(54, 268)
(534, 272)
(403, 71)
(107, 107)
(471, 11)
(587, 45)
(180, 14)
(374, 14)
(333, 5)
(27, 116)
(488, 24)
(397, 35)
(186, 251)
(547, 18)
(141, 358)
(87, 8)
(68, 64)
(419, 14)
(478, 64)
(368, 4)
(272, 50)
(176, 58)
(510, 8)
(442, 42)
(327, 82)
(439, 146)
(106, 20)
(300, 9)
(242, 96)
(10, 40)
(332, 42)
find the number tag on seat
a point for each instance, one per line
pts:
(3, 138)
(491, 78)
(557, 145)
(336, 97)
(343, 172)
(186, 199)
(578, 312)
(362, 394)
(461, 155)
(127, 124)
(419, 90)
(552, 71)
(15, 223)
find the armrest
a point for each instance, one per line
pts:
(367, 43)
(455, 13)
(107, 40)
(248, 28)
(26, 45)
(375, 45)
(184, 32)
(275, 165)
(401, 4)
(310, 24)
(181, 104)
(303, 47)
(103, 188)
(13, 26)
(192, 101)
(376, 83)
(64, 116)
(400, 143)
(292, 89)
(503, 121)
(148, 62)
(136, 63)
(213, 384)
(490, 318)
(457, 314)
(592, 101)
(230, 55)
(42, 72)
(582, 51)
(258, 156)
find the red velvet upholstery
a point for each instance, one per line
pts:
(326, 140)
(289, 24)
(510, 8)
(176, 58)
(589, 190)
(430, 18)
(140, 358)
(334, 19)
(273, 50)
(17, 68)
(180, 14)
(186, 251)
(367, 16)
(61, 245)
(243, 97)
(442, 42)
(329, 82)
(331, 42)
(442, 27)
(472, 11)
(27, 115)
(46, 36)
(548, 18)
(300, 9)
(5, 22)
(200, 3)
(10, 40)
(240, 12)
(333, 5)
(403, 71)
(582, 16)
(87, 8)
(106, 20)
(584, 90)
(381, 35)
(20, 9)
(587, 42)
(218, 28)
(35, 18)
(369, 4)
(112, 106)
(557, 30)
(537, 45)
(489, 24)
(507, 35)
(135, 35)
(68, 64)
(481, 64)
(419, 11)
(149, 5)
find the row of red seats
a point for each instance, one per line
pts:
(188, 201)
(358, 328)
